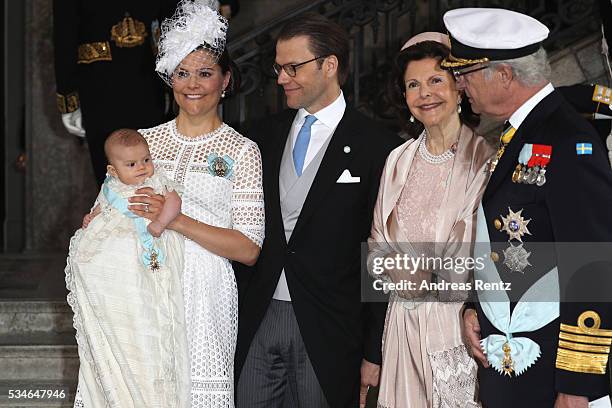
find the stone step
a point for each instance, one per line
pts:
(33, 317)
(53, 361)
(51, 394)
(32, 276)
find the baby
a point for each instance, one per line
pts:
(125, 288)
(129, 161)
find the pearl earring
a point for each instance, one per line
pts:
(458, 108)
(411, 119)
(223, 94)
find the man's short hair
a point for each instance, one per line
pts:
(530, 70)
(325, 38)
(123, 137)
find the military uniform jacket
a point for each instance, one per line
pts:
(574, 205)
(105, 56)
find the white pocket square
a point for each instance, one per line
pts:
(346, 177)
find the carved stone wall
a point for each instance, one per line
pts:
(60, 185)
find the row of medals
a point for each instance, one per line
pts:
(529, 175)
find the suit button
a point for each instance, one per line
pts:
(494, 256)
(497, 223)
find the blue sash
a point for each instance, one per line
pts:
(528, 315)
(151, 253)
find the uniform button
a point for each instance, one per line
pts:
(497, 223)
(494, 256)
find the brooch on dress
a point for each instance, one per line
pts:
(220, 166)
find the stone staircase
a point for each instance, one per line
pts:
(37, 352)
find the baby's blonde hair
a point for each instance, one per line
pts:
(123, 137)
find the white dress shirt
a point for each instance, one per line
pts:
(521, 113)
(322, 129)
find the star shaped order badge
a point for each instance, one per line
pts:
(516, 258)
(515, 225)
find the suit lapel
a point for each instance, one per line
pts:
(334, 162)
(509, 160)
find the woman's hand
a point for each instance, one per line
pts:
(147, 204)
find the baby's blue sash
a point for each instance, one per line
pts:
(146, 239)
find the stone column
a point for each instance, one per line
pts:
(60, 186)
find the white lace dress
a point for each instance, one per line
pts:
(222, 176)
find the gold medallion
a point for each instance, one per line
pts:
(154, 264)
(507, 363)
(515, 174)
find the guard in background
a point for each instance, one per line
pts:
(594, 103)
(105, 68)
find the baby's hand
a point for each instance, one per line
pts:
(90, 216)
(155, 229)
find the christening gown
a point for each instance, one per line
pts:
(222, 176)
(126, 294)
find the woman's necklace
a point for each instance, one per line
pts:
(203, 136)
(431, 158)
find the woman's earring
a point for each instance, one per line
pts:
(223, 94)
(459, 108)
(411, 119)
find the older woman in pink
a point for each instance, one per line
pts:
(429, 193)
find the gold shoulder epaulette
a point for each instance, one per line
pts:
(582, 348)
(602, 94)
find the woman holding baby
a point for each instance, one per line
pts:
(222, 215)
(218, 172)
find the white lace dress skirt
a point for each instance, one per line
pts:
(211, 305)
(129, 319)
(210, 297)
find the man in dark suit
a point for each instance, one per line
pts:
(305, 338)
(105, 68)
(550, 190)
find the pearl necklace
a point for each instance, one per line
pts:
(431, 158)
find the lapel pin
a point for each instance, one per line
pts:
(347, 149)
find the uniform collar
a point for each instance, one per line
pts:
(521, 113)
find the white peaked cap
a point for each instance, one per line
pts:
(489, 34)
